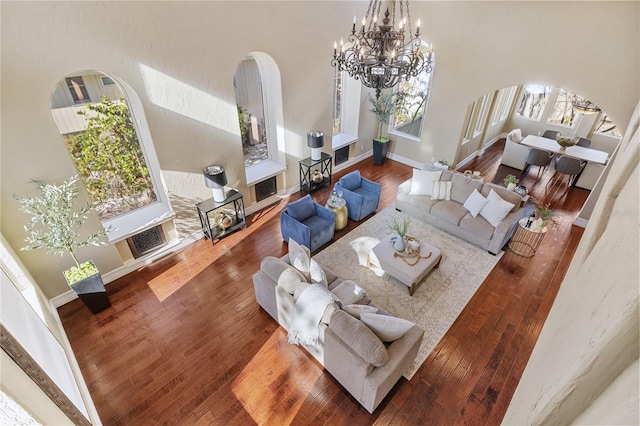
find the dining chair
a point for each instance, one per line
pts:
(538, 157)
(568, 166)
(584, 142)
(514, 154)
(550, 134)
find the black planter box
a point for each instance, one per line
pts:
(92, 292)
(380, 150)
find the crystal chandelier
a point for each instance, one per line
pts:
(583, 105)
(378, 54)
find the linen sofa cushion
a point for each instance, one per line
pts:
(359, 338)
(351, 180)
(357, 310)
(504, 193)
(449, 211)
(475, 202)
(301, 209)
(386, 327)
(301, 260)
(463, 187)
(348, 292)
(441, 190)
(422, 181)
(285, 275)
(496, 209)
(328, 312)
(477, 225)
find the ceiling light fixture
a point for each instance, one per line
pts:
(378, 54)
(583, 105)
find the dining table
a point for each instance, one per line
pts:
(580, 152)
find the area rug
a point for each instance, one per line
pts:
(437, 300)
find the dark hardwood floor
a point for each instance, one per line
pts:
(186, 343)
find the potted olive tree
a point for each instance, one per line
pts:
(55, 226)
(382, 108)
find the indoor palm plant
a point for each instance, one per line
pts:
(55, 226)
(382, 108)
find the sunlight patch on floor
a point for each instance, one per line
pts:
(283, 369)
(175, 277)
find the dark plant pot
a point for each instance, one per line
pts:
(92, 292)
(380, 150)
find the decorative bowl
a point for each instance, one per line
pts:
(566, 141)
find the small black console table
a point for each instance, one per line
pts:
(308, 166)
(219, 229)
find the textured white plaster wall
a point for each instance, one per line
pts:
(592, 332)
(180, 57)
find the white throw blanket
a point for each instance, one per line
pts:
(307, 313)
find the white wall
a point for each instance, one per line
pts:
(591, 336)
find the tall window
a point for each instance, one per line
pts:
(533, 101)
(562, 112)
(120, 173)
(412, 100)
(606, 126)
(482, 115)
(249, 98)
(337, 102)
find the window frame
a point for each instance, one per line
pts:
(142, 218)
(429, 84)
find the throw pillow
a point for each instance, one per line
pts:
(359, 338)
(441, 190)
(357, 310)
(285, 275)
(300, 258)
(475, 203)
(349, 292)
(328, 312)
(496, 209)
(386, 327)
(422, 181)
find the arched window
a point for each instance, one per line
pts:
(411, 105)
(258, 92)
(103, 126)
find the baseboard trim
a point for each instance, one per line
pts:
(582, 223)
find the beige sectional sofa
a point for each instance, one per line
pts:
(452, 216)
(365, 366)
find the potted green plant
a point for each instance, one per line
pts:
(400, 228)
(542, 212)
(511, 182)
(382, 108)
(444, 164)
(55, 226)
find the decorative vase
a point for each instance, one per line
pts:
(316, 176)
(511, 186)
(398, 244)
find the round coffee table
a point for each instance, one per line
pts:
(339, 206)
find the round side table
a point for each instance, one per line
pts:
(339, 206)
(525, 241)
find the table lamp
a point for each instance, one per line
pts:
(216, 178)
(315, 141)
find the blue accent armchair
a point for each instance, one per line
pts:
(361, 194)
(307, 223)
